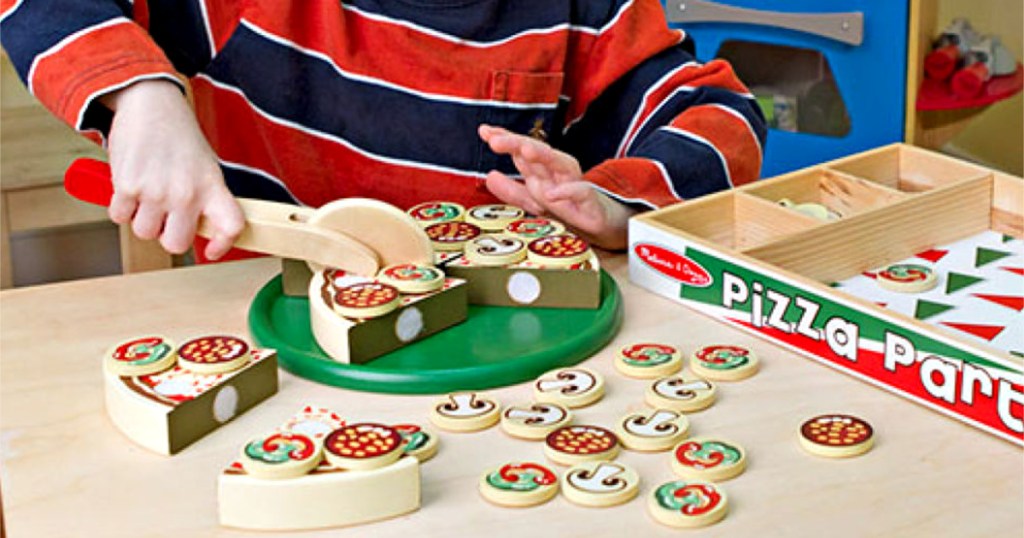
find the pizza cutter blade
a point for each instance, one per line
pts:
(271, 228)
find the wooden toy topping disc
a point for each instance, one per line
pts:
(494, 217)
(418, 442)
(534, 421)
(724, 362)
(366, 300)
(519, 484)
(653, 431)
(836, 436)
(648, 361)
(465, 412)
(433, 212)
(533, 228)
(141, 356)
(412, 278)
(363, 446)
(572, 387)
(561, 250)
(495, 250)
(600, 483)
(681, 393)
(907, 278)
(213, 354)
(570, 445)
(281, 455)
(687, 504)
(451, 236)
(708, 459)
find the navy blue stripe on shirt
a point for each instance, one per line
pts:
(695, 168)
(178, 27)
(705, 95)
(612, 112)
(308, 91)
(35, 27)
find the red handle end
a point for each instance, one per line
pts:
(89, 181)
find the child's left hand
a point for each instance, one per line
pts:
(553, 185)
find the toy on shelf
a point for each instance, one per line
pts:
(165, 398)
(966, 70)
(362, 473)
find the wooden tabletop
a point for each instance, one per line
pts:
(67, 472)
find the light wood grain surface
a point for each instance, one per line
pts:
(67, 472)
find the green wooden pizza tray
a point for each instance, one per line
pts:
(496, 346)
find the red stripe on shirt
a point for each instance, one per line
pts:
(416, 60)
(311, 165)
(716, 73)
(597, 61)
(632, 178)
(730, 135)
(101, 58)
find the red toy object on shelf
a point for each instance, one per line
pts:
(939, 95)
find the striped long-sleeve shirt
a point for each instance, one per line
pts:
(315, 100)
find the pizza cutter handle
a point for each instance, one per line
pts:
(271, 228)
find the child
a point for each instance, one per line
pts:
(586, 110)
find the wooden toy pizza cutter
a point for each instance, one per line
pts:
(323, 237)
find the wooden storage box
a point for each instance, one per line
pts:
(806, 283)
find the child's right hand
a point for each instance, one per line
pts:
(165, 174)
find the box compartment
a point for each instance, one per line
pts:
(843, 194)
(908, 169)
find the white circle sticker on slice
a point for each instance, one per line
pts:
(907, 278)
(534, 421)
(412, 278)
(837, 436)
(724, 362)
(572, 387)
(493, 217)
(570, 445)
(281, 455)
(523, 287)
(708, 458)
(363, 446)
(409, 324)
(562, 250)
(687, 504)
(681, 393)
(418, 442)
(491, 250)
(648, 360)
(600, 483)
(465, 412)
(429, 213)
(141, 356)
(519, 484)
(366, 300)
(652, 431)
(532, 228)
(210, 355)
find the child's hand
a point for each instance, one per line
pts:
(553, 185)
(165, 175)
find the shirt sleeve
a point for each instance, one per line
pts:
(70, 52)
(651, 125)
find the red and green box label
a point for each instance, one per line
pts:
(985, 391)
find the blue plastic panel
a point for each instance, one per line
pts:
(870, 77)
